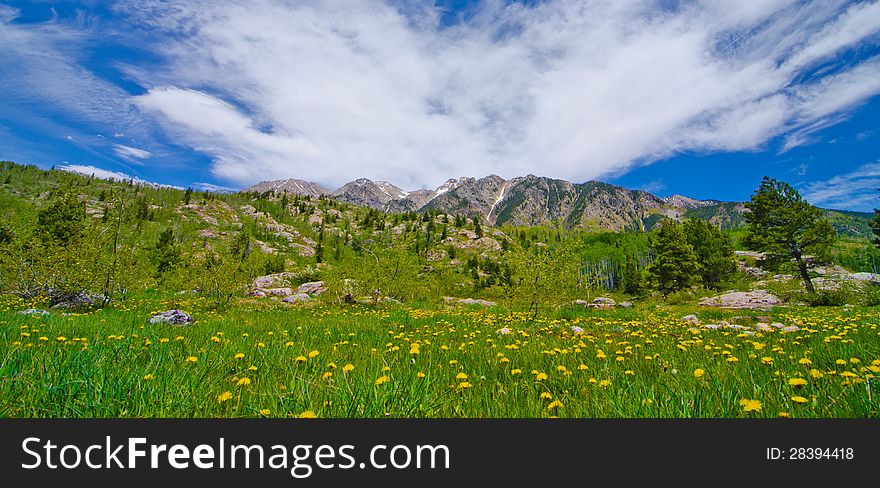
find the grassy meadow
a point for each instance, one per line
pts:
(265, 359)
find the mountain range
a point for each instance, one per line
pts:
(535, 200)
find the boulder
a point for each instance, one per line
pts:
(272, 280)
(311, 288)
(76, 300)
(297, 298)
(603, 302)
(625, 305)
(171, 317)
(279, 292)
(691, 319)
(757, 299)
(33, 311)
(474, 301)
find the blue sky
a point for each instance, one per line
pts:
(700, 98)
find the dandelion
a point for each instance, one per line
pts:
(382, 380)
(561, 368)
(224, 397)
(767, 360)
(326, 376)
(816, 374)
(805, 361)
(600, 354)
(796, 382)
(540, 377)
(420, 375)
(308, 414)
(348, 368)
(313, 354)
(244, 381)
(515, 371)
(192, 359)
(265, 412)
(750, 405)
(698, 373)
(582, 367)
(461, 376)
(604, 383)
(300, 359)
(554, 404)
(148, 377)
(546, 396)
(783, 415)
(464, 385)
(238, 356)
(798, 399)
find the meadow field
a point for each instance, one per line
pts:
(259, 359)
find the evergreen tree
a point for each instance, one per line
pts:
(675, 266)
(187, 195)
(63, 221)
(784, 226)
(714, 250)
(632, 277)
(166, 253)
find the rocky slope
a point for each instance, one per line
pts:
(292, 185)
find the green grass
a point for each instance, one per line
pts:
(97, 364)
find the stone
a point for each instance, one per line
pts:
(171, 317)
(712, 326)
(33, 311)
(625, 305)
(757, 299)
(474, 301)
(790, 328)
(691, 319)
(272, 280)
(762, 327)
(297, 298)
(75, 300)
(279, 292)
(311, 288)
(603, 302)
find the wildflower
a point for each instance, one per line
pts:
(604, 383)
(540, 377)
(515, 371)
(308, 414)
(464, 385)
(546, 396)
(582, 367)
(561, 368)
(816, 374)
(313, 354)
(420, 375)
(348, 368)
(326, 376)
(767, 360)
(244, 381)
(783, 415)
(796, 382)
(461, 376)
(805, 361)
(192, 359)
(238, 356)
(265, 412)
(300, 359)
(750, 405)
(600, 354)
(381, 380)
(798, 399)
(224, 397)
(215, 339)
(148, 377)
(554, 404)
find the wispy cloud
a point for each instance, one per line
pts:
(129, 152)
(856, 190)
(89, 170)
(333, 89)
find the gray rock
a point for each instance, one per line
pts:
(757, 299)
(712, 326)
(625, 305)
(279, 292)
(790, 328)
(33, 311)
(691, 319)
(172, 317)
(762, 327)
(311, 288)
(297, 298)
(473, 301)
(270, 281)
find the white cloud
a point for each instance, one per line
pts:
(104, 174)
(337, 89)
(856, 190)
(131, 152)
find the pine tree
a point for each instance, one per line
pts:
(714, 250)
(784, 226)
(632, 277)
(675, 265)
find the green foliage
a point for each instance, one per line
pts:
(675, 265)
(166, 255)
(783, 225)
(714, 251)
(63, 220)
